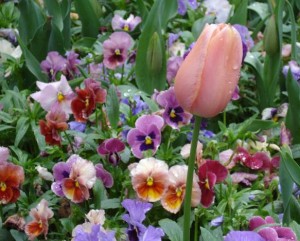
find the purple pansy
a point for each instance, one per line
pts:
(104, 176)
(247, 40)
(136, 104)
(153, 234)
(115, 49)
(77, 126)
(174, 115)
(294, 67)
(111, 148)
(172, 67)
(183, 5)
(53, 63)
(172, 38)
(95, 234)
(243, 236)
(72, 61)
(216, 222)
(128, 24)
(146, 135)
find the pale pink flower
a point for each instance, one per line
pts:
(4, 153)
(227, 159)
(54, 94)
(96, 216)
(128, 24)
(44, 173)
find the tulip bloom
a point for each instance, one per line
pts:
(206, 79)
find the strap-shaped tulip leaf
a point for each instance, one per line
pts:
(151, 57)
(240, 14)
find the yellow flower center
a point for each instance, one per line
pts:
(87, 102)
(150, 181)
(76, 184)
(60, 97)
(207, 184)
(40, 224)
(178, 192)
(2, 186)
(172, 114)
(126, 27)
(117, 52)
(148, 140)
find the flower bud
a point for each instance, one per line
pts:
(154, 54)
(271, 43)
(208, 76)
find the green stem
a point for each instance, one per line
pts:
(224, 117)
(196, 235)
(70, 142)
(189, 181)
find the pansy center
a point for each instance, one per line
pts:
(207, 184)
(2, 186)
(60, 97)
(76, 184)
(126, 27)
(117, 52)
(178, 192)
(87, 102)
(150, 181)
(148, 140)
(172, 113)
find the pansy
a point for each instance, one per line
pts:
(216, 222)
(11, 178)
(4, 154)
(55, 123)
(44, 173)
(77, 126)
(93, 233)
(53, 63)
(183, 5)
(218, 8)
(71, 69)
(243, 177)
(174, 115)
(294, 67)
(285, 135)
(146, 135)
(210, 173)
(172, 67)
(153, 234)
(275, 113)
(243, 236)
(174, 196)
(128, 24)
(111, 148)
(39, 225)
(150, 179)
(96, 216)
(247, 40)
(74, 178)
(95, 87)
(56, 94)
(104, 176)
(115, 49)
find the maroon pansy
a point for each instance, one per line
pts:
(210, 173)
(111, 148)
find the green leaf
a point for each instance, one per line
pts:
(55, 13)
(21, 129)
(86, 42)
(6, 117)
(293, 31)
(262, 9)
(67, 224)
(112, 106)
(296, 228)
(206, 235)
(293, 114)
(99, 194)
(258, 125)
(294, 207)
(295, 151)
(5, 235)
(200, 23)
(171, 229)
(151, 58)
(142, 9)
(40, 139)
(5, 127)
(112, 203)
(31, 19)
(18, 236)
(240, 14)
(32, 63)
(56, 40)
(89, 13)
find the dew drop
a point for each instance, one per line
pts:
(235, 67)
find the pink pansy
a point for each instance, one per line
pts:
(4, 153)
(243, 177)
(150, 179)
(55, 94)
(128, 24)
(103, 175)
(115, 49)
(41, 215)
(174, 196)
(96, 216)
(226, 158)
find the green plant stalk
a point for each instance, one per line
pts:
(189, 181)
(70, 142)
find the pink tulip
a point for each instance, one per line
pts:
(209, 74)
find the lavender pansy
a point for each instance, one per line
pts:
(72, 61)
(111, 148)
(53, 63)
(183, 5)
(115, 49)
(247, 40)
(218, 8)
(104, 176)
(243, 236)
(173, 115)
(77, 126)
(172, 67)
(128, 24)
(95, 234)
(146, 135)
(172, 38)
(216, 222)
(153, 234)
(294, 67)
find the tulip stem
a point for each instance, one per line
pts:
(189, 181)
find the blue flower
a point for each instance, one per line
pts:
(182, 5)
(243, 236)
(77, 126)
